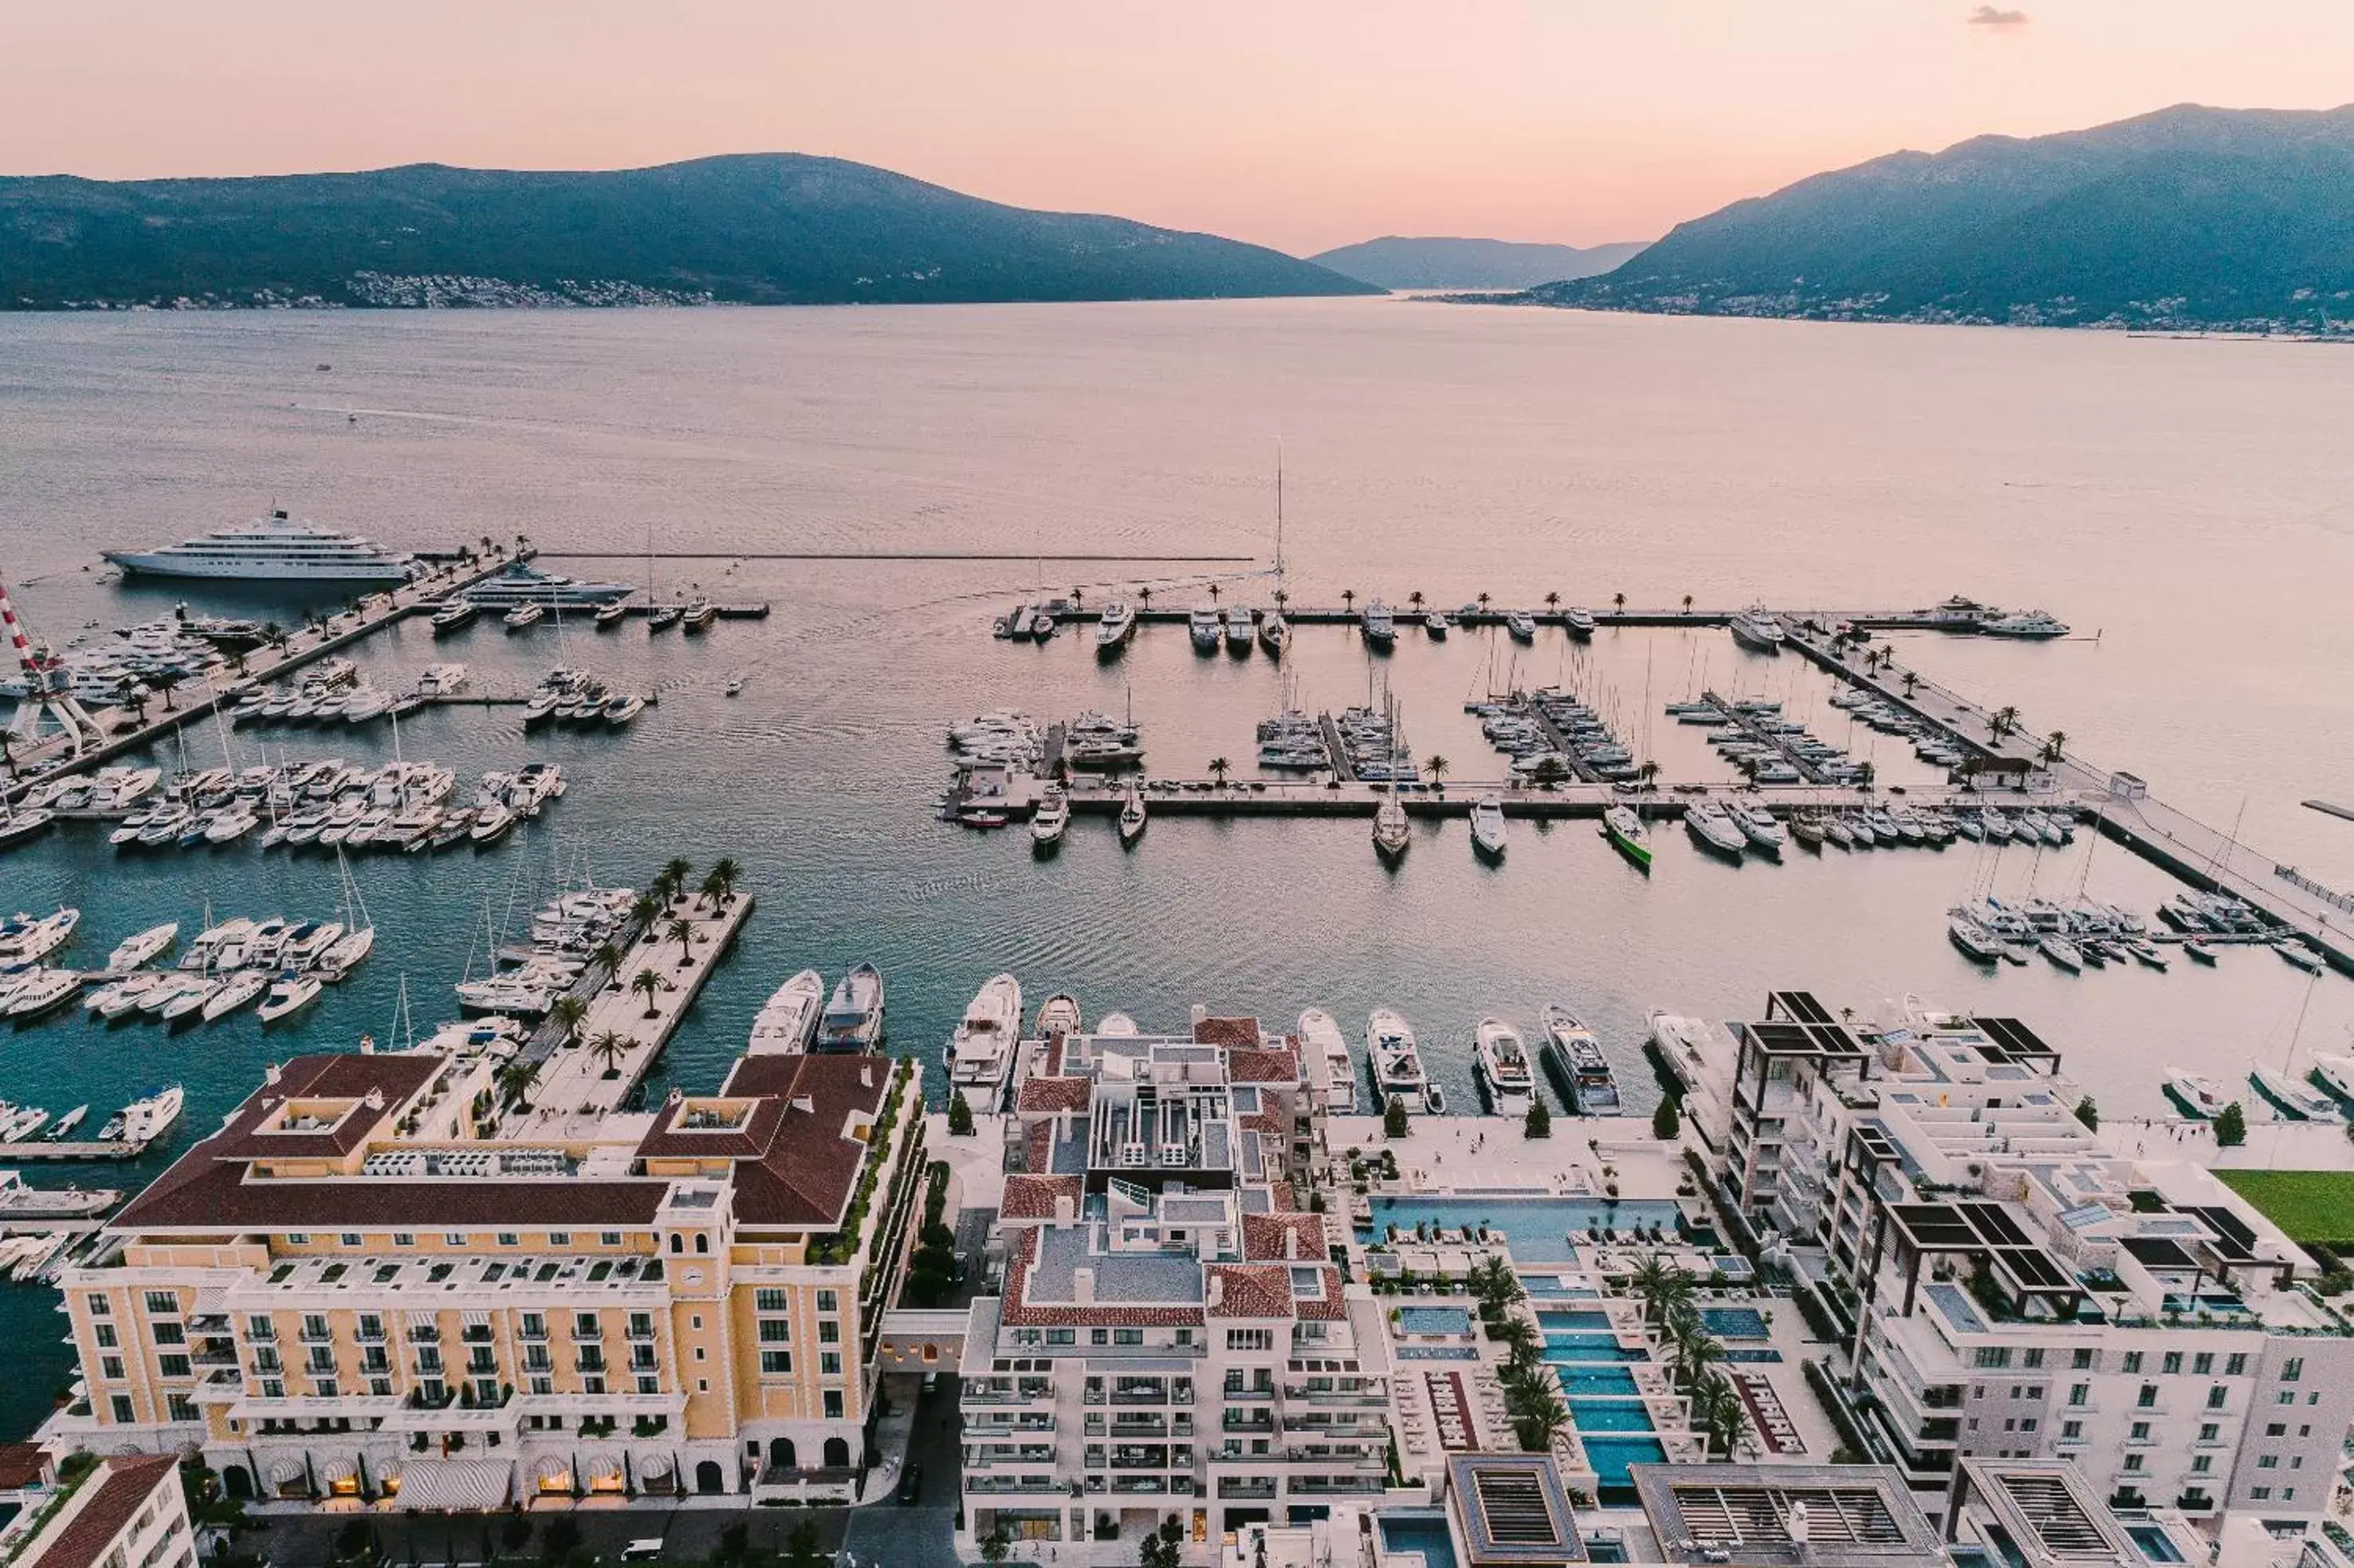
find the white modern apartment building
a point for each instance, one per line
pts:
(2025, 1293)
(1173, 1340)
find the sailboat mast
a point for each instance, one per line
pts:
(1278, 513)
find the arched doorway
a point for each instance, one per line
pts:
(237, 1482)
(709, 1477)
(780, 1453)
(837, 1453)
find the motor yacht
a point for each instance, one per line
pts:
(1274, 633)
(1117, 630)
(2200, 951)
(1576, 1057)
(1488, 827)
(1203, 626)
(2145, 952)
(2295, 1101)
(26, 938)
(133, 951)
(525, 615)
(1396, 1065)
(621, 711)
(609, 616)
(236, 991)
(276, 549)
(19, 825)
(45, 992)
(697, 616)
(1331, 1070)
(2334, 1071)
(1579, 621)
(455, 615)
(663, 617)
(1393, 832)
(1436, 624)
(1059, 1015)
(1520, 625)
(2297, 955)
(1692, 1051)
(1051, 820)
(148, 1118)
(1131, 815)
(2023, 623)
(1709, 823)
(982, 1049)
(1240, 631)
(1756, 629)
(1503, 1064)
(289, 994)
(2198, 1095)
(854, 1018)
(1624, 827)
(1379, 626)
(1759, 826)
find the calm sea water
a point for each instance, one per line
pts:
(2186, 500)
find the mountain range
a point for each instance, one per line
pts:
(755, 228)
(2190, 217)
(1400, 262)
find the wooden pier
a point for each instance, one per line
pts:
(44, 1150)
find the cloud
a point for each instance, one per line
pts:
(2001, 21)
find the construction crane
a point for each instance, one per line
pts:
(48, 689)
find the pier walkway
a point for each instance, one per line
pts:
(2187, 848)
(197, 699)
(580, 1084)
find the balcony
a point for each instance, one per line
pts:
(370, 1334)
(1366, 1398)
(1141, 1486)
(427, 1335)
(1246, 1489)
(321, 1336)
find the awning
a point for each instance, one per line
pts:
(654, 1466)
(554, 1474)
(456, 1484)
(602, 1470)
(388, 1477)
(423, 1320)
(285, 1471)
(336, 1469)
(476, 1319)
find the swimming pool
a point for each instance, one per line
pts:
(1590, 1348)
(1610, 1416)
(1538, 1228)
(1735, 1322)
(1611, 1456)
(1599, 1378)
(1424, 1532)
(1452, 1321)
(1554, 1286)
(1564, 1320)
(1439, 1353)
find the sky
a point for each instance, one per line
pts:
(1296, 123)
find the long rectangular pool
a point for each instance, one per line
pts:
(1577, 1379)
(1404, 1530)
(1572, 1320)
(1611, 1456)
(1590, 1348)
(1610, 1416)
(1539, 1228)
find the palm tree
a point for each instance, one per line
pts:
(1648, 774)
(1495, 1284)
(1718, 1415)
(1437, 767)
(1539, 1417)
(566, 1015)
(1415, 599)
(1910, 681)
(715, 888)
(1348, 600)
(516, 1079)
(1144, 596)
(1865, 774)
(729, 872)
(1553, 603)
(1688, 604)
(1665, 1288)
(648, 985)
(1692, 1351)
(610, 1048)
(643, 908)
(2055, 746)
(606, 957)
(2005, 720)
(1483, 604)
(1618, 602)
(1218, 768)
(1213, 595)
(683, 933)
(1281, 599)
(679, 871)
(1079, 598)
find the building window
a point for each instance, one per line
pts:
(2259, 1493)
(2285, 1397)
(120, 1404)
(2133, 1462)
(404, 1238)
(508, 1238)
(829, 1332)
(2235, 1365)
(104, 1332)
(647, 1385)
(2034, 1358)
(2203, 1464)
(172, 1366)
(2133, 1362)
(1100, 1336)
(2080, 1393)
(587, 1325)
(298, 1238)
(778, 1331)
(352, 1238)
(171, 1334)
(2147, 1398)
(1992, 1356)
(2217, 1395)
(1128, 1336)
(828, 1363)
(111, 1368)
(829, 1302)
(776, 1363)
(609, 1238)
(833, 1405)
(2203, 1363)
(453, 1238)
(182, 1408)
(2291, 1369)
(2170, 1363)
(1061, 1336)
(2071, 1430)
(2268, 1461)
(2084, 1359)
(769, 1300)
(559, 1238)
(166, 1304)
(2139, 1433)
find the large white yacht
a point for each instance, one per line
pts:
(1757, 628)
(1332, 1070)
(981, 1051)
(1397, 1066)
(521, 583)
(275, 548)
(788, 1022)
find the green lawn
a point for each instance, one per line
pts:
(2310, 1205)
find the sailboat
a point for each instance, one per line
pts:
(358, 939)
(1131, 815)
(1274, 632)
(1392, 833)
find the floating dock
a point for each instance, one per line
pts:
(43, 1149)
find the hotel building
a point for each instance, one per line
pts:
(1173, 1340)
(355, 1289)
(2013, 1288)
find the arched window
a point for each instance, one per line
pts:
(837, 1453)
(708, 1476)
(780, 1453)
(702, 1242)
(677, 1241)
(237, 1482)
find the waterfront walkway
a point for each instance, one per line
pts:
(580, 1084)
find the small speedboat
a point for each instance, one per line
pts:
(2297, 955)
(289, 995)
(2199, 1096)
(1488, 827)
(525, 615)
(1131, 815)
(665, 617)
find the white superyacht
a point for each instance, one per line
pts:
(275, 548)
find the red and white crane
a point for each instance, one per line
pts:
(48, 688)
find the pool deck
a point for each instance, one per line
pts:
(1491, 1156)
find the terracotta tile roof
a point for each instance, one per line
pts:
(1249, 1290)
(340, 1076)
(1329, 1306)
(123, 1486)
(1042, 1096)
(1038, 1148)
(1226, 1031)
(1279, 1193)
(1016, 1313)
(1260, 1122)
(1032, 1197)
(1264, 1236)
(200, 1193)
(21, 1465)
(809, 1168)
(1277, 1064)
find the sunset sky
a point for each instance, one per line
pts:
(1296, 124)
